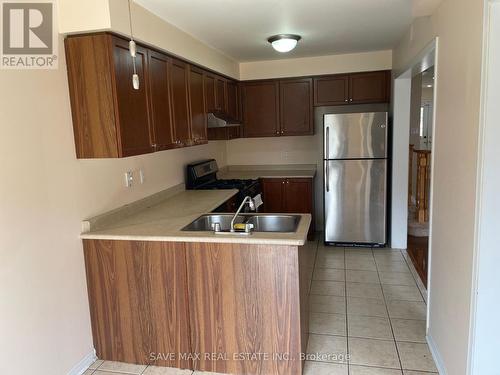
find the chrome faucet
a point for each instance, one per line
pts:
(251, 204)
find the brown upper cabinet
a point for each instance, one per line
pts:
(180, 102)
(197, 106)
(169, 110)
(331, 90)
(209, 85)
(261, 108)
(356, 88)
(215, 92)
(110, 117)
(371, 87)
(222, 95)
(296, 107)
(161, 108)
(278, 107)
(233, 100)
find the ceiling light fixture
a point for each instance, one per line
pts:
(284, 42)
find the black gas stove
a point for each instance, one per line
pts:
(203, 176)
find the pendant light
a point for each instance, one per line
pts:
(133, 50)
(284, 42)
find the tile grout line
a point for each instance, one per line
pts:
(390, 321)
(346, 318)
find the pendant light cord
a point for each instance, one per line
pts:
(130, 20)
(131, 32)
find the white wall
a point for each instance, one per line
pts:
(486, 337)
(458, 23)
(330, 64)
(76, 16)
(46, 193)
(401, 127)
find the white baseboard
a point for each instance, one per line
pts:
(437, 357)
(84, 364)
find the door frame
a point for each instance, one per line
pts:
(401, 124)
(401, 105)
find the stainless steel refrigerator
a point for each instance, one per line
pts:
(355, 178)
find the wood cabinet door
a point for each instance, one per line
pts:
(298, 195)
(371, 87)
(161, 114)
(138, 301)
(220, 94)
(132, 104)
(261, 108)
(180, 104)
(232, 99)
(296, 104)
(331, 90)
(197, 106)
(209, 86)
(272, 191)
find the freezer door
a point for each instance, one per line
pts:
(355, 135)
(355, 201)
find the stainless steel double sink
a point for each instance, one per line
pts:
(260, 222)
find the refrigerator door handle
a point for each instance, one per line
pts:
(327, 145)
(327, 177)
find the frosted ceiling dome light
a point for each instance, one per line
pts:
(284, 42)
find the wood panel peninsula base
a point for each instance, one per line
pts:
(229, 308)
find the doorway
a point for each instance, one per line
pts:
(419, 170)
(414, 106)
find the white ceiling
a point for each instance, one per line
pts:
(240, 28)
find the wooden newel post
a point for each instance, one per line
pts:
(423, 176)
(410, 174)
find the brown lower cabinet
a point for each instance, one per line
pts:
(289, 195)
(138, 301)
(200, 306)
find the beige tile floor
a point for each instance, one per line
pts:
(376, 314)
(364, 303)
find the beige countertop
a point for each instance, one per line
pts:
(161, 219)
(268, 171)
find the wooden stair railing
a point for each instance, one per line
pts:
(410, 174)
(423, 184)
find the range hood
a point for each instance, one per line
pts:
(221, 120)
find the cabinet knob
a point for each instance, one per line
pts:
(350, 100)
(346, 100)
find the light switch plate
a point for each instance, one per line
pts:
(129, 179)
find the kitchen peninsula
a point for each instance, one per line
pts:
(196, 300)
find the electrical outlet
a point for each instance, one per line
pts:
(142, 176)
(129, 179)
